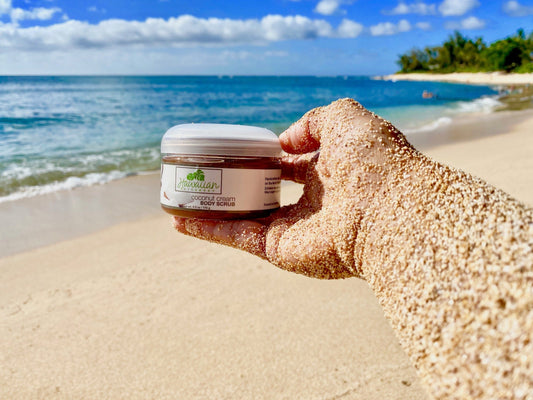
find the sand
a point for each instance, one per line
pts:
(481, 78)
(505, 161)
(137, 311)
(123, 307)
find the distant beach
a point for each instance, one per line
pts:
(478, 78)
(515, 90)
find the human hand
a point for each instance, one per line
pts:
(344, 155)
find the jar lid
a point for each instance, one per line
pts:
(221, 139)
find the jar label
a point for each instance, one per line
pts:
(219, 189)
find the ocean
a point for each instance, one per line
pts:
(62, 132)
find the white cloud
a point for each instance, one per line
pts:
(275, 28)
(425, 26)
(515, 9)
(142, 61)
(277, 53)
(5, 6)
(181, 31)
(19, 14)
(412, 8)
(39, 13)
(457, 7)
(472, 23)
(467, 23)
(95, 9)
(331, 7)
(327, 7)
(404, 26)
(388, 28)
(349, 29)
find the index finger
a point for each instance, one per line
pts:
(246, 235)
(302, 136)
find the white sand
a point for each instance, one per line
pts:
(137, 311)
(482, 78)
(505, 161)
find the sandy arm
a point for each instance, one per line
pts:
(450, 259)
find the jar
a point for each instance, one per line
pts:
(220, 171)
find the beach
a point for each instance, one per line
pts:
(480, 78)
(100, 298)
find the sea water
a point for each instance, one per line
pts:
(62, 132)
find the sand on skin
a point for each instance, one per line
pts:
(137, 311)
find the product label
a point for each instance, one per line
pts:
(219, 189)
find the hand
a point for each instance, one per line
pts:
(344, 156)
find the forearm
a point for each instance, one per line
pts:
(451, 261)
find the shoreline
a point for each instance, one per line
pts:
(469, 127)
(477, 78)
(53, 217)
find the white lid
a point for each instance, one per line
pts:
(221, 139)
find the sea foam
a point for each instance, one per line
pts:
(483, 105)
(70, 183)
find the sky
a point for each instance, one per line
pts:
(240, 37)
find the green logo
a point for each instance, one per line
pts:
(198, 175)
(196, 181)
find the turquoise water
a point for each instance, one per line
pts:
(62, 132)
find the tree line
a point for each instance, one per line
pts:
(462, 54)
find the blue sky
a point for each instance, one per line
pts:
(273, 37)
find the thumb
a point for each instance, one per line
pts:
(296, 167)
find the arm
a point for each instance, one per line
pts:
(449, 258)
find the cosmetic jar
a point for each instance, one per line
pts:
(220, 171)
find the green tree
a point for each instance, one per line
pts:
(415, 60)
(460, 53)
(509, 53)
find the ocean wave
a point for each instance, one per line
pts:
(68, 184)
(31, 177)
(24, 170)
(433, 125)
(62, 167)
(484, 105)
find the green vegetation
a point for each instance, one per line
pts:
(198, 175)
(462, 54)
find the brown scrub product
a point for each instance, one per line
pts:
(220, 171)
